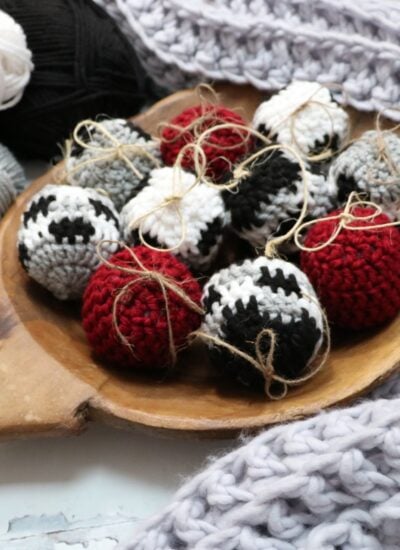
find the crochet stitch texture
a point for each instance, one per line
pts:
(7, 193)
(269, 44)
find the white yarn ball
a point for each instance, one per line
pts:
(15, 61)
(304, 116)
(191, 227)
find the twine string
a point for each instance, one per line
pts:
(142, 274)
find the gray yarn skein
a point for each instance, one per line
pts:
(328, 482)
(7, 193)
(269, 44)
(10, 165)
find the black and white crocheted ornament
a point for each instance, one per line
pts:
(106, 162)
(304, 116)
(173, 212)
(245, 298)
(269, 198)
(371, 166)
(57, 240)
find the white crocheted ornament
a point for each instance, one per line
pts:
(106, 164)
(245, 298)
(15, 61)
(268, 200)
(57, 240)
(371, 166)
(304, 116)
(172, 214)
(7, 193)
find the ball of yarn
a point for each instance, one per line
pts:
(57, 240)
(370, 165)
(245, 298)
(173, 212)
(141, 316)
(102, 166)
(10, 165)
(222, 148)
(304, 116)
(83, 66)
(357, 277)
(15, 62)
(268, 200)
(7, 193)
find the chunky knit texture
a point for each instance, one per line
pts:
(10, 165)
(370, 166)
(269, 199)
(245, 298)
(305, 117)
(59, 231)
(322, 484)
(7, 193)
(100, 166)
(191, 226)
(141, 315)
(222, 148)
(269, 44)
(357, 277)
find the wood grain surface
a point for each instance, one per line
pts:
(50, 383)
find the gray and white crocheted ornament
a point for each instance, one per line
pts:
(172, 212)
(270, 197)
(57, 240)
(304, 116)
(245, 298)
(112, 147)
(370, 165)
(10, 165)
(7, 193)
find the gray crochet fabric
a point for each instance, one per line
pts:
(10, 165)
(269, 43)
(328, 483)
(7, 193)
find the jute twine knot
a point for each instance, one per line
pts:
(142, 274)
(345, 220)
(117, 150)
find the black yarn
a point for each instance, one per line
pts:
(83, 66)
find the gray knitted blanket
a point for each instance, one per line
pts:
(328, 483)
(269, 43)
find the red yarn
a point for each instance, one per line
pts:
(141, 313)
(222, 148)
(357, 277)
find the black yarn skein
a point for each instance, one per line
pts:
(84, 66)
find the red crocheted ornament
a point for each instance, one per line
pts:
(357, 277)
(141, 312)
(222, 148)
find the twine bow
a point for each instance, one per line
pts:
(345, 220)
(142, 274)
(116, 150)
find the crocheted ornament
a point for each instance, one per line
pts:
(141, 314)
(10, 165)
(57, 240)
(222, 148)
(304, 116)
(15, 62)
(190, 226)
(7, 193)
(269, 198)
(357, 277)
(370, 166)
(100, 165)
(245, 298)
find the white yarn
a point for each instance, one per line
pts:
(202, 211)
(59, 231)
(15, 62)
(310, 128)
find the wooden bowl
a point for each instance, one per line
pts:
(50, 383)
